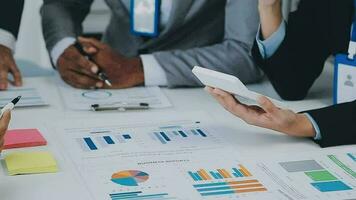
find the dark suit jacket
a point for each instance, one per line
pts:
(318, 29)
(10, 15)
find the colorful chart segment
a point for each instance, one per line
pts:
(323, 180)
(231, 187)
(204, 175)
(352, 156)
(139, 195)
(129, 177)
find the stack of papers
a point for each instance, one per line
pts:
(30, 163)
(23, 138)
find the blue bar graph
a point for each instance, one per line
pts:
(331, 186)
(194, 132)
(352, 156)
(163, 134)
(90, 143)
(201, 133)
(218, 193)
(193, 176)
(160, 138)
(237, 173)
(198, 176)
(108, 140)
(182, 134)
(126, 136)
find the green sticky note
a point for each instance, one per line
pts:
(321, 176)
(30, 163)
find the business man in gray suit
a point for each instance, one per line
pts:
(216, 34)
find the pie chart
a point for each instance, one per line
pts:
(129, 177)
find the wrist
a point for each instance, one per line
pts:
(303, 126)
(138, 73)
(271, 18)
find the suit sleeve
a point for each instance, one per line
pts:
(301, 55)
(10, 15)
(62, 19)
(231, 56)
(337, 124)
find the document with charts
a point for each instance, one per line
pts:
(165, 155)
(79, 99)
(32, 94)
(319, 175)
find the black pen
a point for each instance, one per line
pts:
(102, 76)
(9, 106)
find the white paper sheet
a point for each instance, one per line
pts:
(319, 175)
(78, 99)
(149, 165)
(31, 96)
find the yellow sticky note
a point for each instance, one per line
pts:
(30, 163)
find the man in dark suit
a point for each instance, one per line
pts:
(10, 17)
(293, 57)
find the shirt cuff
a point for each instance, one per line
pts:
(269, 46)
(60, 47)
(315, 126)
(7, 39)
(153, 71)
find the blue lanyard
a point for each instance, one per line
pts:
(353, 34)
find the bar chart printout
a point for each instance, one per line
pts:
(321, 179)
(93, 143)
(204, 175)
(211, 184)
(175, 134)
(140, 195)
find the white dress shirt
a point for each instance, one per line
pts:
(153, 72)
(7, 39)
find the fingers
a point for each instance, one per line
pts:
(82, 81)
(267, 105)
(230, 103)
(72, 59)
(3, 78)
(89, 49)
(17, 75)
(94, 42)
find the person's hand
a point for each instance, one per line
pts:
(77, 70)
(270, 16)
(122, 72)
(4, 123)
(8, 65)
(266, 116)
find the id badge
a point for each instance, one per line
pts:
(145, 17)
(344, 79)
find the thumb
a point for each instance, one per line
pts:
(267, 105)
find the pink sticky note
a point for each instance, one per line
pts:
(19, 138)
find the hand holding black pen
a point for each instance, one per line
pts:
(102, 76)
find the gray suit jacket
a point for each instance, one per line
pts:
(216, 34)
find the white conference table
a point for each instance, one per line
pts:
(251, 141)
